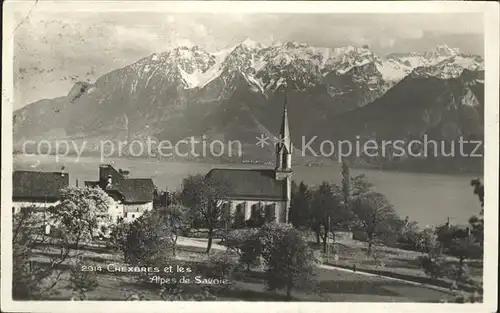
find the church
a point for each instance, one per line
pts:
(261, 190)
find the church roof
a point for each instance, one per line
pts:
(251, 184)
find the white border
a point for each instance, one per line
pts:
(492, 35)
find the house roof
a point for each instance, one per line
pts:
(131, 189)
(38, 185)
(258, 184)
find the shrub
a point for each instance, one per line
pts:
(251, 250)
(460, 273)
(290, 260)
(80, 280)
(270, 235)
(234, 239)
(221, 264)
(149, 241)
(433, 266)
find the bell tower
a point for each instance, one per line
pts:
(283, 169)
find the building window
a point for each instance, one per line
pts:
(133, 215)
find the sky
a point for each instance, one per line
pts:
(52, 50)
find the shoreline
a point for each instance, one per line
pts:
(331, 164)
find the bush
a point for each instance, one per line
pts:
(221, 264)
(251, 251)
(433, 266)
(460, 273)
(270, 235)
(81, 281)
(290, 261)
(234, 239)
(149, 241)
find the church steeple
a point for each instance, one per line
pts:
(285, 131)
(283, 171)
(284, 145)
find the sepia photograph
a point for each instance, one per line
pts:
(275, 153)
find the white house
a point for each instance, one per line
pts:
(130, 197)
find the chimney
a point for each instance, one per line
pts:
(77, 182)
(125, 174)
(110, 180)
(62, 171)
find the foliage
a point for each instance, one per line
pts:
(71, 222)
(433, 265)
(82, 281)
(410, 236)
(82, 211)
(118, 236)
(222, 264)
(149, 240)
(29, 276)
(427, 242)
(203, 196)
(300, 205)
(234, 239)
(328, 213)
(376, 216)
(177, 218)
(290, 262)
(270, 235)
(251, 251)
(478, 190)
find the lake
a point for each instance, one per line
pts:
(426, 198)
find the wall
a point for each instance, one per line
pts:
(246, 206)
(133, 211)
(20, 204)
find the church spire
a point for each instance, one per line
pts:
(284, 145)
(285, 131)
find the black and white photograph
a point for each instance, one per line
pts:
(329, 153)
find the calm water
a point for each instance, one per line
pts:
(426, 198)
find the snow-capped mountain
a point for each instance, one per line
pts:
(189, 91)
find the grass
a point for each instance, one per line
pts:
(328, 285)
(394, 262)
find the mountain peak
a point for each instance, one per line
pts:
(250, 44)
(445, 51)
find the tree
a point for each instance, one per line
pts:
(464, 248)
(118, 235)
(478, 190)
(32, 280)
(375, 214)
(149, 240)
(477, 222)
(81, 212)
(300, 205)
(290, 263)
(270, 234)
(327, 211)
(205, 197)
(177, 218)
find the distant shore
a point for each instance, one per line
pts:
(327, 163)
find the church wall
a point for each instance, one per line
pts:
(246, 205)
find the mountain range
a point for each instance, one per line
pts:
(239, 93)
